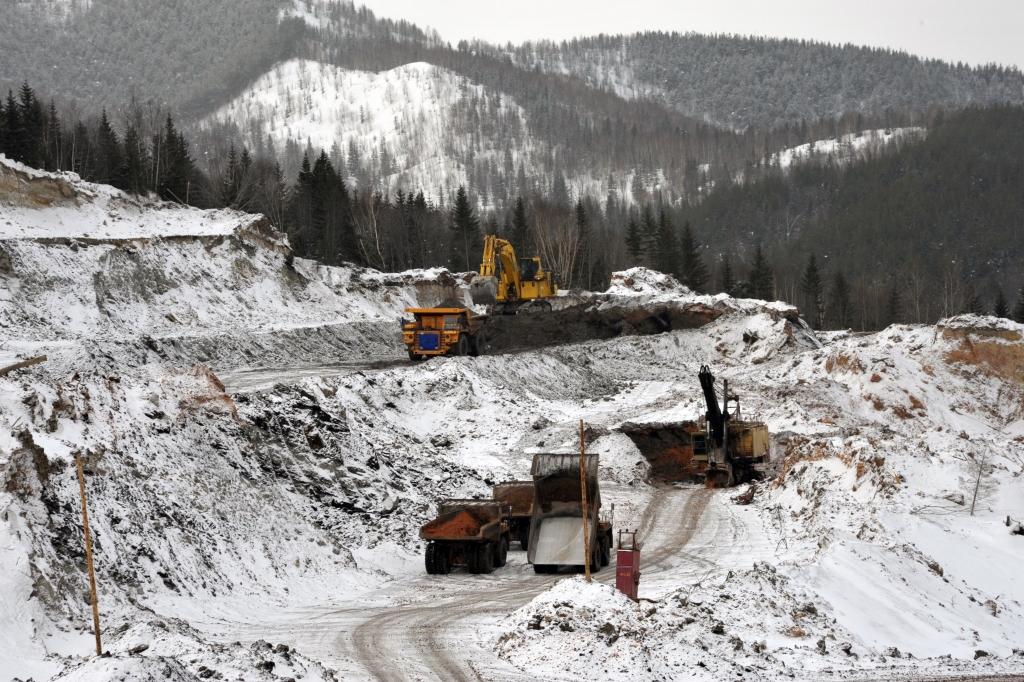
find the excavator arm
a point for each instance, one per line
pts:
(499, 273)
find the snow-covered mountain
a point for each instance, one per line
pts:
(415, 127)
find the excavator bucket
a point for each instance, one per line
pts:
(484, 290)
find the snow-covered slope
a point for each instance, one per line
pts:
(215, 513)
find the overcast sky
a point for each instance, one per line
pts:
(975, 32)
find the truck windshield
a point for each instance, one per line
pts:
(451, 322)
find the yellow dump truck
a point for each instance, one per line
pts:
(443, 331)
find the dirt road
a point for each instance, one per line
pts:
(437, 640)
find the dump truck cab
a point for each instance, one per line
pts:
(517, 499)
(443, 331)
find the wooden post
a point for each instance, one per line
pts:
(88, 558)
(583, 486)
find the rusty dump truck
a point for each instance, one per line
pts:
(556, 523)
(517, 499)
(470, 533)
(443, 331)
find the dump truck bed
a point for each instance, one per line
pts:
(556, 537)
(464, 520)
(516, 494)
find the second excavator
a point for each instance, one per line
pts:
(508, 285)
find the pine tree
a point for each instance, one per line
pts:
(1002, 308)
(520, 234)
(466, 241)
(893, 308)
(666, 251)
(81, 153)
(693, 271)
(33, 128)
(135, 162)
(728, 283)
(761, 278)
(583, 269)
(634, 242)
(1018, 309)
(354, 162)
(173, 165)
(813, 289)
(972, 302)
(107, 168)
(839, 301)
(52, 144)
(649, 232)
(14, 144)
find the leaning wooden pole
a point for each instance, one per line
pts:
(583, 487)
(88, 558)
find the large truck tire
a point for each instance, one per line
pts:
(443, 560)
(415, 357)
(606, 550)
(471, 559)
(501, 552)
(462, 346)
(485, 557)
(479, 344)
(595, 559)
(430, 558)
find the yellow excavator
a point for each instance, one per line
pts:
(508, 285)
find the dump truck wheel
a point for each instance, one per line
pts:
(444, 561)
(485, 558)
(524, 538)
(595, 559)
(462, 347)
(431, 558)
(479, 345)
(415, 357)
(472, 555)
(501, 554)
(606, 551)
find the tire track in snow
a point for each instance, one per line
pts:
(438, 641)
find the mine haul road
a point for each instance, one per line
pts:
(422, 627)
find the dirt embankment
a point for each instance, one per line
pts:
(587, 322)
(984, 342)
(668, 448)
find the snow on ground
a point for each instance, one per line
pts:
(39, 205)
(848, 147)
(276, 509)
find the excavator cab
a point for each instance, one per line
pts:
(528, 268)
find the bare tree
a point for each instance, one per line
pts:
(976, 482)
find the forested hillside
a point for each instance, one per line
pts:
(931, 230)
(738, 81)
(187, 54)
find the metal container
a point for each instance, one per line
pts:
(627, 564)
